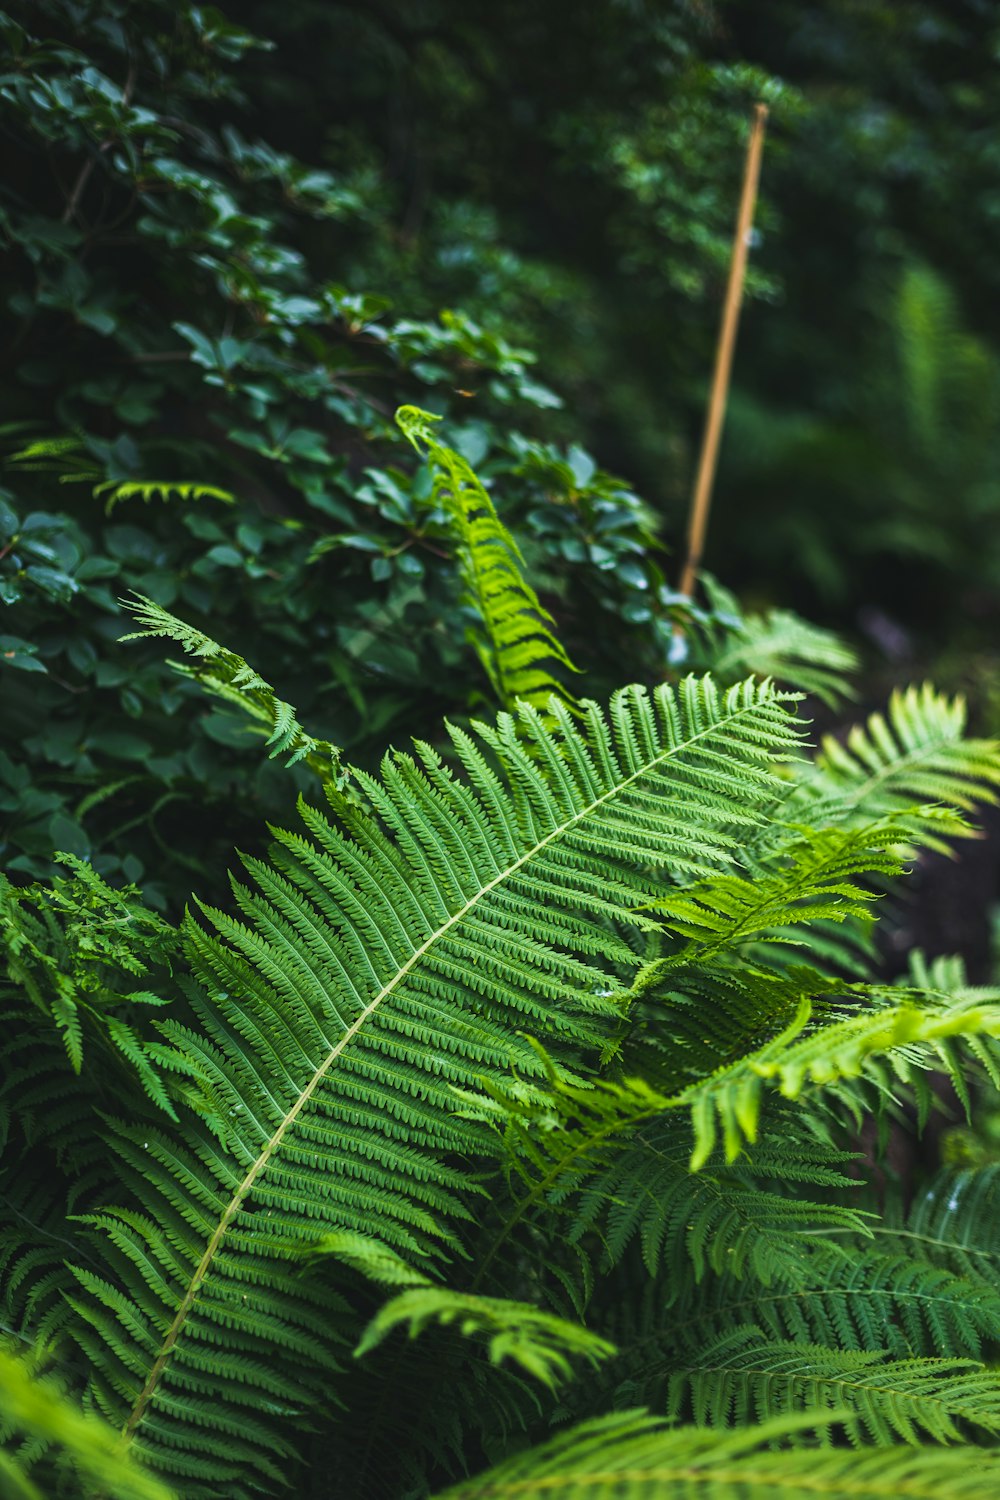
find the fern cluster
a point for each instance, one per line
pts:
(506, 1121)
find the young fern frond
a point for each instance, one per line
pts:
(516, 646)
(744, 1379)
(812, 878)
(228, 676)
(540, 1344)
(631, 1456)
(908, 1036)
(375, 971)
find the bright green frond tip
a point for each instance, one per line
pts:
(630, 1456)
(115, 492)
(37, 1411)
(229, 677)
(515, 644)
(542, 1345)
(904, 761)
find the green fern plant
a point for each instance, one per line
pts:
(225, 674)
(514, 641)
(531, 1073)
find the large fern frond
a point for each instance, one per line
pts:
(228, 676)
(860, 1298)
(515, 644)
(375, 969)
(630, 1456)
(743, 1378)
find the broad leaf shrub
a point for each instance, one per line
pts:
(507, 1108)
(204, 366)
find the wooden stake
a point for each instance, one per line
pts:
(702, 497)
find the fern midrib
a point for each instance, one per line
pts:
(842, 1382)
(188, 1300)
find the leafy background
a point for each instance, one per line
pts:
(233, 249)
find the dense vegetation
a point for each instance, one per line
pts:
(534, 1111)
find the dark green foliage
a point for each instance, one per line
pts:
(537, 1068)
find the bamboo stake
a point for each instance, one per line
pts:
(702, 497)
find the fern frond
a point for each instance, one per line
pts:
(516, 646)
(954, 1222)
(375, 970)
(71, 946)
(915, 754)
(743, 1379)
(907, 1036)
(146, 490)
(541, 1345)
(776, 644)
(228, 676)
(863, 1298)
(813, 878)
(721, 1220)
(630, 1456)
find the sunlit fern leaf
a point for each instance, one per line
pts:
(744, 1378)
(516, 645)
(81, 1450)
(541, 1345)
(66, 456)
(630, 1456)
(115, 492)
(376, 968)
(907, 1036)
(913, 754)
(228, 676)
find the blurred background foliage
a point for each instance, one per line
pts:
(237, 239)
